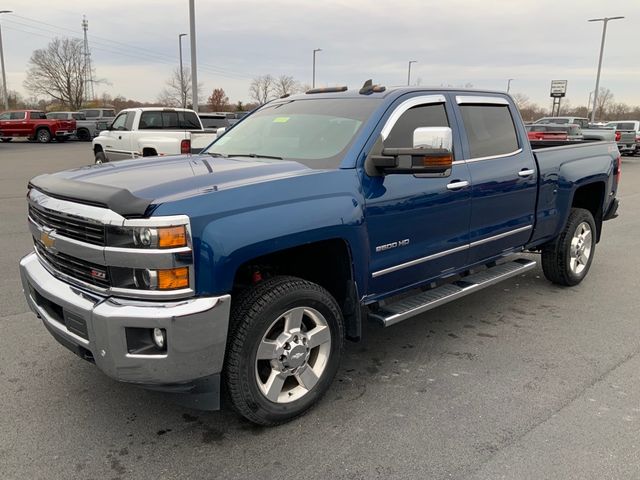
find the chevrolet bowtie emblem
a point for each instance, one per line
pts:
(47, 240)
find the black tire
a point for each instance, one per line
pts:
(100, 158)
(556, 256)
(6, 139)
(252, 317)
(43, 135)
(83, 135)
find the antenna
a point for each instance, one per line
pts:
(87, 70)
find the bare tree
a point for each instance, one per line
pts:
(605, 99)
(286, 85)
(175, 94)
(57, 71)
(262, 88)
(218, 100)
(522, 101)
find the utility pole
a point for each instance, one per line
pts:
(183, 93)
(604, 21)
(194, 65)
(509, 84)
(409, 72)
(87, 70)
(313, 81)
(5, 95)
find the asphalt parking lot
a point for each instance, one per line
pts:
(525, 380)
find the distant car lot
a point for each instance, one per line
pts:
(480, 389)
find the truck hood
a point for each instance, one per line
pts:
(145, 182)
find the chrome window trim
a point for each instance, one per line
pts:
(449, 252)
(494, 157)
(478, 99)
(406, 105)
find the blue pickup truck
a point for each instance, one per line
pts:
(244, 268)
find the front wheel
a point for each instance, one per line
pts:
(284, 349)
(6, 139)
(567, 260)
(100, 158)
(43, 135)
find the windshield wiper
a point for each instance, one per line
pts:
(217, 155)
(254, 155)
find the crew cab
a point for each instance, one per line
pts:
(149, 132)
(245, 267)
(85, 129)
(34, 125)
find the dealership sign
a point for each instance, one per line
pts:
(558, 88)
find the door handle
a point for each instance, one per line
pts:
(457, 185)
(526, 172)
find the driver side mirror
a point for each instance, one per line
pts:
(430, 156)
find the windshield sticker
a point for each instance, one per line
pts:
(281, 119)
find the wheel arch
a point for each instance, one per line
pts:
(591, 197)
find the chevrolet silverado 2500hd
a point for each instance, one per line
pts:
(246, 266)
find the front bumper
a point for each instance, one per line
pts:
(93, 327)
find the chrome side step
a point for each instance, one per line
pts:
(412, 306)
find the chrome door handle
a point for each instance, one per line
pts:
(457, 185)
(525, 172)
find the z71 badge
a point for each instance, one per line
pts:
(389, 246)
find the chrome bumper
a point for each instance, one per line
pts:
(196, 330)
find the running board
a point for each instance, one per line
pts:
(412, 306)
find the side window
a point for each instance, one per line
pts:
(120, 122)
(5, 116)
(128, 123)
(17, 115)
(401, 135)
(108, 113)
(150, 120)
(92, 113)
(490, 130)
(189, 121)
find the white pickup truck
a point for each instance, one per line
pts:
(149, 132)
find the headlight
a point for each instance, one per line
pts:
(150, 279)
(147, 237)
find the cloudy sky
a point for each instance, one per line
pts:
(455, 42)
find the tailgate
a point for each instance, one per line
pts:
(201, 140)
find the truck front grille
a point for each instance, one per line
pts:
(69, 226)
(90, 273)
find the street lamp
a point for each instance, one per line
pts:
(604, 21)
(4, 76)
(409, 72)
(183, 94)
(313, 82)
(509, 84)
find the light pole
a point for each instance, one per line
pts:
(604, 21)
(194, 66)
(409, 72)
(589, 103)
(4, 76)
(509, 84)
(183, 94)
(313, 81)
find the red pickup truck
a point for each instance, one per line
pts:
(34, 125)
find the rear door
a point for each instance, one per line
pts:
(14, 124)
(503, 176)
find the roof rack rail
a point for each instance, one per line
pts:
(343, 88)
(368, 88)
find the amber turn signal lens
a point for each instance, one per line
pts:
(173, 278)
(433, 161)
(172, 237)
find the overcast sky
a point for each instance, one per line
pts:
(484, 43)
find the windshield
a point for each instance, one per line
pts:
(315, 132)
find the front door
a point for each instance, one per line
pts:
(118, 147)
(504, 177)
(418, 227)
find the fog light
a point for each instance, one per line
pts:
(159, 337)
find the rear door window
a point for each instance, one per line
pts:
(490, 130)
(17, 115)
(170, 120)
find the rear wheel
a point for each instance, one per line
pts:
(567, 260)
(100, 158)
(83, 135)
(43, 135)
(6, 139)
(284, 349)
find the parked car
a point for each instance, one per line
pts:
(148, 132)
(587, 132)
(211, 122)
(629, 141)
(85, 129)
(34, 125)
(548, 132)
(246, 267)
(105, 114)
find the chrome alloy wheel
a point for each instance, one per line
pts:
(581, 245)
(293, 355)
